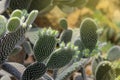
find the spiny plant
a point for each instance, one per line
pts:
(66, 35)
(45, 37)
(47, 54)
(88, 33)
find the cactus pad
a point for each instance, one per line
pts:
(61, 57)
(34, 71)
(3, 22)
(63, 23)
(104, 71)
(66, 36)
(16, 13)
(88, 33)
(113, 53)
(33, 14)
(45, 45)
(13, 24)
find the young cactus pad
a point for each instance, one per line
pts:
(104, 71)
(113, 53)
(16, 13)
(34, 71)
(88, 33)
(13, 24)
(45, 44)
(66, 36)
(62, 56)
(63, 23)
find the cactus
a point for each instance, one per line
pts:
(45, 45)
(16, 13)
(33, 14)
(95, 63)
(34, 71)
(9, 40)
(3, 22)
(13, 24)
(66, 36)
(61, 56)
(88, 33)
(67, 72)
(104, 71)
(63, 23)
(113, 53)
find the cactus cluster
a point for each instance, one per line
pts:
(48, 56)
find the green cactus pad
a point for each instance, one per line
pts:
(45, 44)
(63, 23)
(104, 71)
(113, 53)
(16, 13)
(88, 33)
(3, 22)
(34, 71)
(66, 36)
(13, 24)
(33, 14)
(61, 57)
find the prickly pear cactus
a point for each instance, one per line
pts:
(104, 71)
(9, 40)
(63, 23)
(16, 13)
(95, 63)
(67, 72)
(34, 71)
(66, 36)
(61, 56)
(88, 33)
(45, 44)
(3, 22)
(113, 53)
(13, 24)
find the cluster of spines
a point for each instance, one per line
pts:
(45, 44)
